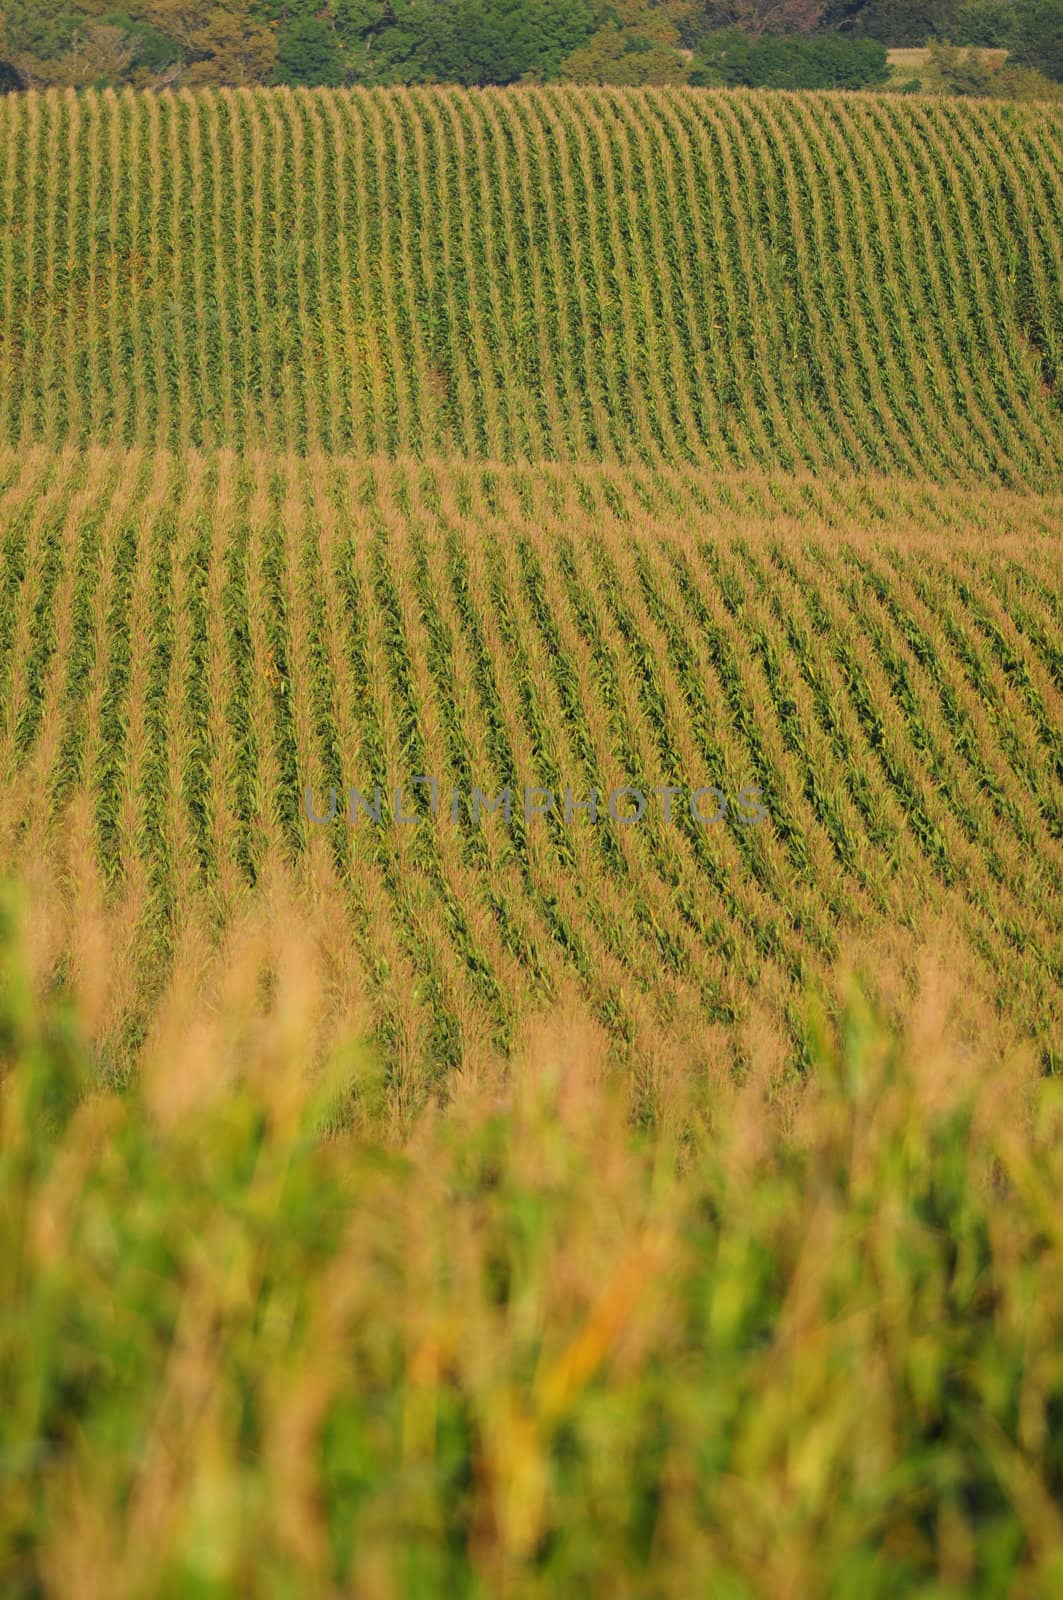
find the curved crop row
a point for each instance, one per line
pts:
(189, 644)
(841, 282)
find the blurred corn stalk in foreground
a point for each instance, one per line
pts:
(795, 1339)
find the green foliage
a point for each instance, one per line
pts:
(40, 28)
(1038, 37)
(384, 40)
(1030, 30)
(635, 42)
(988, 23)
(154, 51)
(962, 72)
(309, 53)
(894, 22)
(615, 56)
(498, 41)
(731, 59)
(153, 42)
(1015, 82)
(971, 73)
(418, 41)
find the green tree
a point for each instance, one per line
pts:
(222, 42)
(83, 43)
(985, 22)
(635, 42)
(894, 22)
(763, 16)
(956, 71)
(499, 41)
(156, 53)
(309, 53)
(384, 41)
(1038, 37)
(406, 41)
(41, 29)
(1026, 83)
(830, 61)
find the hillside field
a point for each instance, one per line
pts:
(413, 1181)
(195, 641)
(846, 282)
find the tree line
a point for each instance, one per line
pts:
(781, 43)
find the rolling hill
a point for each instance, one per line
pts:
(802, 282)
(531, 779)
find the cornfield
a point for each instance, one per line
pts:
(189, 645)
(733, 281)
(531, 779)
(778, 1344)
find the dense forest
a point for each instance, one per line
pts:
(776, 43)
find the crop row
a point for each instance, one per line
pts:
(187, 645)
(825, 282)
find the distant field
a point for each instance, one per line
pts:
(914, 56)
(797, 282)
